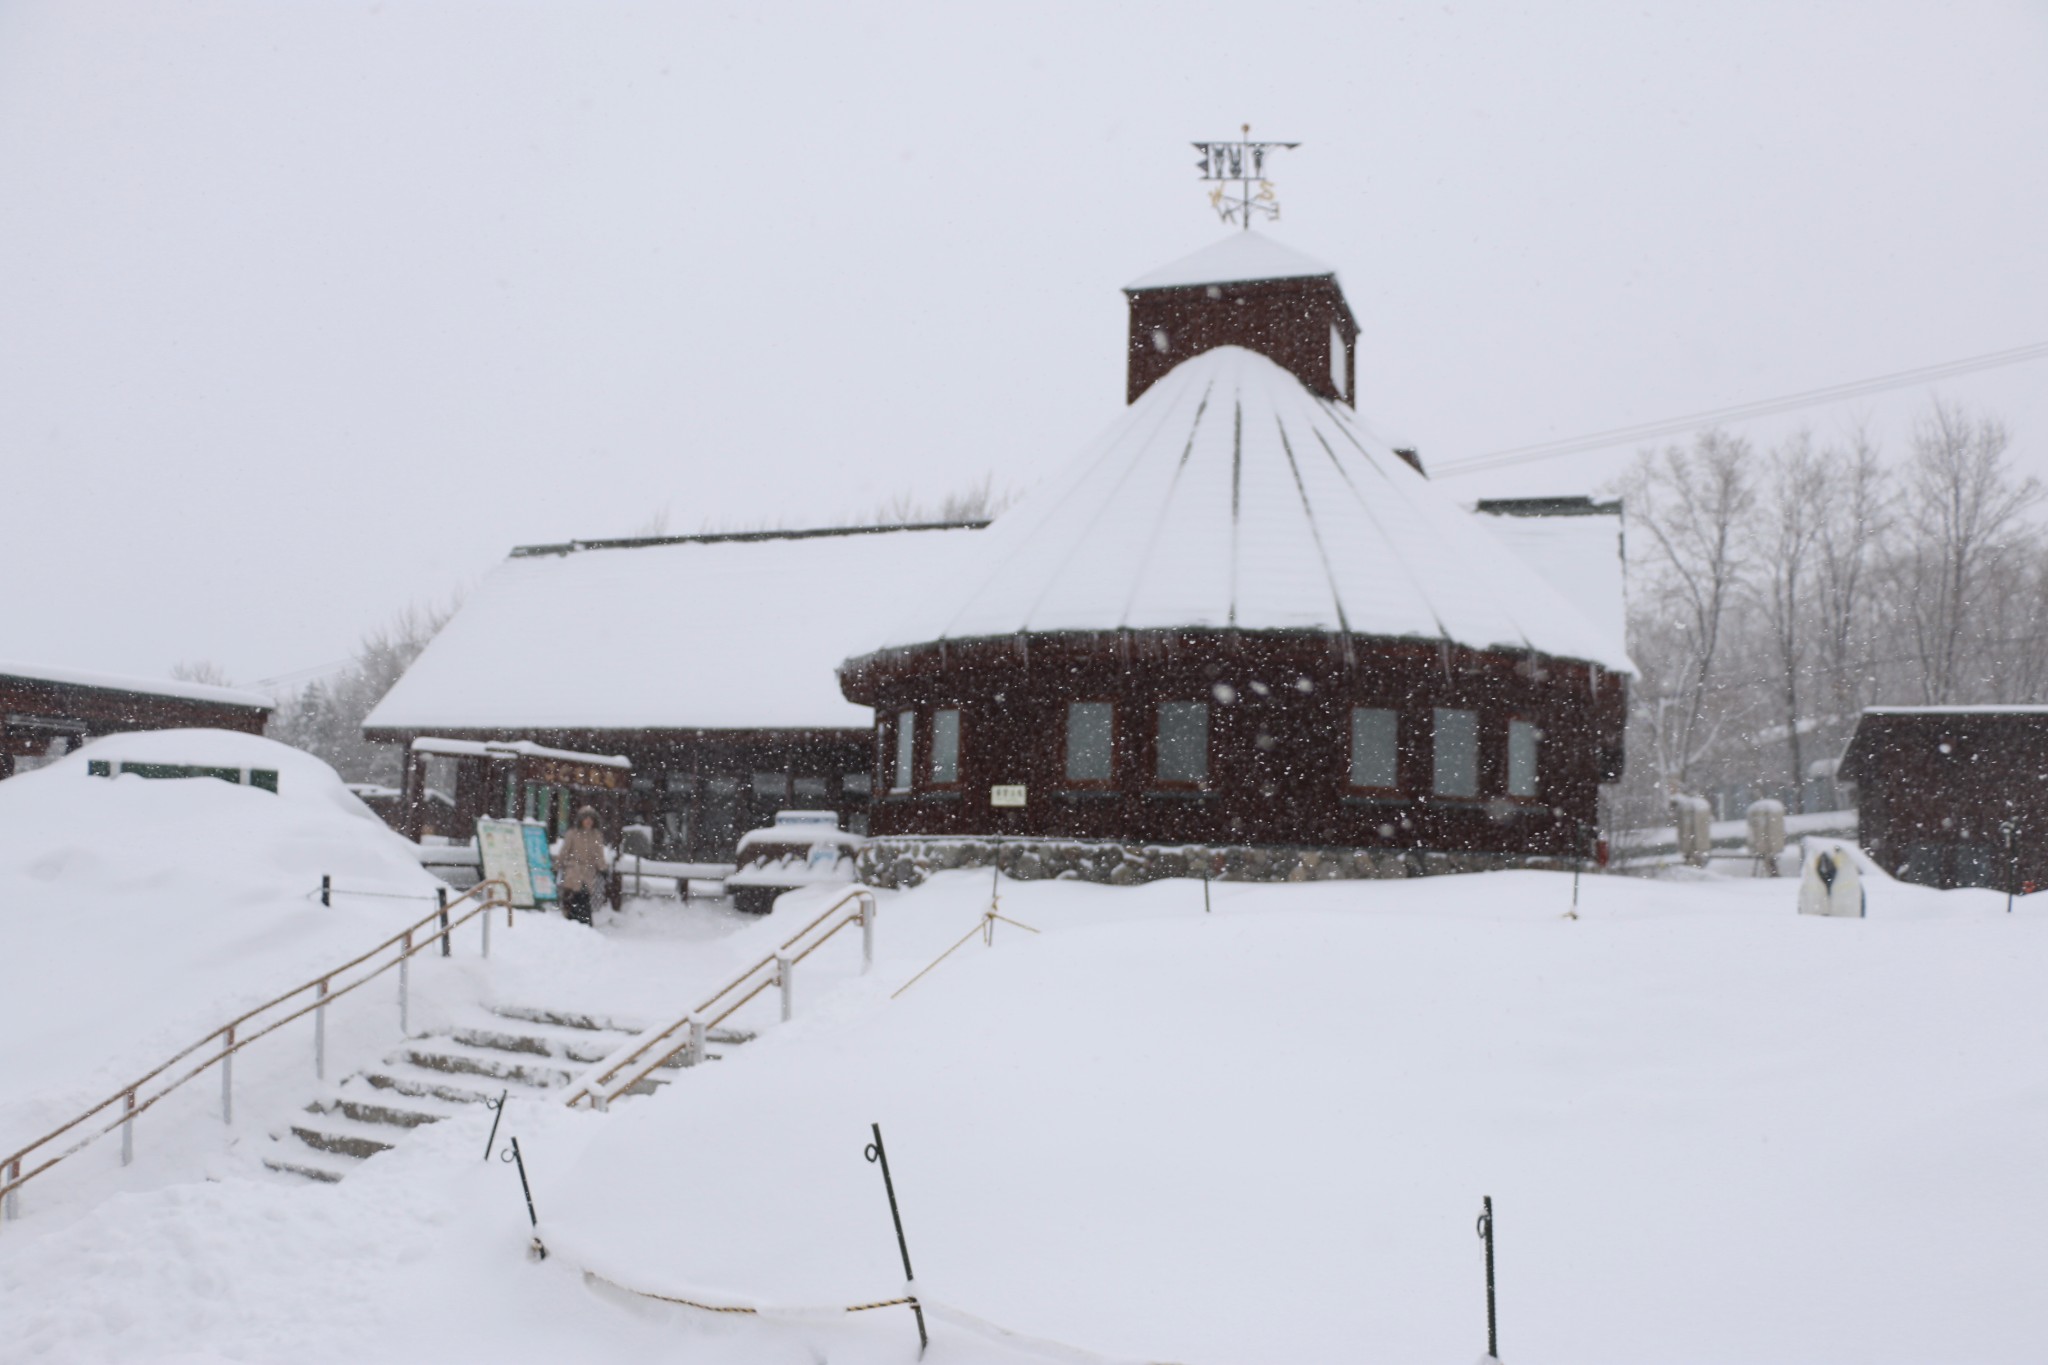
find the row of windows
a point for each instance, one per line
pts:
(1181, 748)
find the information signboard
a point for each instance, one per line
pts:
(501, 844)
(540, 864)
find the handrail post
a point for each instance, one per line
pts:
(227, 1075)
(867, 934)
(128, 1129)
(485, 919)
(784, 963)
(10, 1207)
(326, 889)
(697, 1032)
(320, 1034)
(441, 899)
(405, 988)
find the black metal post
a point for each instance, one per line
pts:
(497, 1113)
(326, 889)
(540, 1253)
(1486, 1233)
(441, 899)
(1205, 892)
(877, 1153)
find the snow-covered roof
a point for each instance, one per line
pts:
(1986, 710)
(148, 687)
(1580, 556)
(1239, 258)
(712, 633)
(509, 748)
(1230, 496)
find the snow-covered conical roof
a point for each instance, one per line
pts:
(1239, 258)
(1229, 496)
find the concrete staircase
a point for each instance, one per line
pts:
(507, 1050)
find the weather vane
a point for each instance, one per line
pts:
(1242, 164)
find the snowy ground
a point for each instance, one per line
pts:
(1713, 1130)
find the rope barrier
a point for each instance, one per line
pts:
(985, 926)
(981, 1327)
(378, 895)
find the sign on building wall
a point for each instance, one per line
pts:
(540, 865)
(501, 844)
(1006, 796)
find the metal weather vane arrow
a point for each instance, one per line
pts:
(1243, 164)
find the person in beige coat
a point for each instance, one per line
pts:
(580, 868)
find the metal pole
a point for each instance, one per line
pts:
(441, 899)
(227, 1076)
(326, 889)
(877, 1153)
(1205, 892)
(697, 1033)
(320, 1035)
(867, 934)
(405, 988)
(128, 1129)
(485, 919)
(783, 965)
(497, 1113)
(1486, 1232)
(10, 1207)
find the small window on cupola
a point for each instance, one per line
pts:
(1161, 342)
(1340, 372)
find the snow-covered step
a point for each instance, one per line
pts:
(339, 1135)
(454, 1058)
(600, 1023)
(327, 1171)
(581, 1046)
(402, 1078)
(416, 1112)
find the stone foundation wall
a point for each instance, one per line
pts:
(906, 861)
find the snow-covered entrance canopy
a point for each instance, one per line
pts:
(1229, 496)
(698, 633)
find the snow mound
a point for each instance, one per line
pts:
(140, 913)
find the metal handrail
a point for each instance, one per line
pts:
(617, 1074)
(13, 1177)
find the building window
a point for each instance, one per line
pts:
(1522, 737)
(945, 747)
(1089, 727)
(771, 787)
(811, 789)
(1374, 757)
(906, 747)
(1340, 373)
(855, 784)
(1183, 741)
(1456, 746)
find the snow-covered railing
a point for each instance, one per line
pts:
(220, 1046)
(624, 1069)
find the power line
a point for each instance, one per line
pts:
(1763, 407)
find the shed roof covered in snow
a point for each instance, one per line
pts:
(1229, 496)
(690, 633)
(1238, 258)
(134, 686)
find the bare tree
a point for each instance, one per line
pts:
(326, 718)
(1781, 541)
(1853, 514)
(201, 671)
(1963, 506)
(1690, 506)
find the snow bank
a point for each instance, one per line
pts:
(1713, 1130)
(138, 914)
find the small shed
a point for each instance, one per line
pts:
(47, 712)
(1953, 795)
(513, 780)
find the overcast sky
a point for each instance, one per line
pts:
(309, 310)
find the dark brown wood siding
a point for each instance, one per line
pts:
(1288, 321)
(1935, 792)
(1279, 750)
(34, 711)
